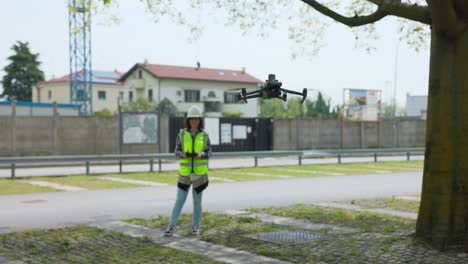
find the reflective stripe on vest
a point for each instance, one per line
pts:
(193, 145)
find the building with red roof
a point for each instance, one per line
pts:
(106, 90)
(213, 90)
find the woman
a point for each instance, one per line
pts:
(193, 149)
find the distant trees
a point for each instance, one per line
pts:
(321, 108)
(274, 108)
(22, 72)
(166, 106)
(139, 105)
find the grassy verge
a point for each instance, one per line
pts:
(87, 182)
(388, 203)
(240, 174)
(88, 245)
(8, 186)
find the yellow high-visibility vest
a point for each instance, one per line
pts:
(193, 145)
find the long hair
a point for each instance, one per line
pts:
(187, 123)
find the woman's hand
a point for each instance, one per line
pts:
(199, 156)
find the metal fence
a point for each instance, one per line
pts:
(12, 162)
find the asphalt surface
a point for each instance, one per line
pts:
(22, 212)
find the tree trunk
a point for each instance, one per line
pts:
(443, 213)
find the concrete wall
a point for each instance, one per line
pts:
(317, 133)
(66, 135)
(59, 135)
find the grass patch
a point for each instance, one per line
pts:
(87, 182)
(388, 203)
(11, 186)
(88, 245)
(364, 221)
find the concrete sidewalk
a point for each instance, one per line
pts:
(21, 212)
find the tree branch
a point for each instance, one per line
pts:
(349, 21)
(444, 17)
(399, 9)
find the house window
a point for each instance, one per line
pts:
(150, 95)
(49, 94)
(121, 95)
(230, 98)
(140, 74)
(130, 96)
(102, 95)
(192, 95)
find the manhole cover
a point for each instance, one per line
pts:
(287, 236)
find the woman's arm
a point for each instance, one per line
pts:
(207, 152)
(178, 148)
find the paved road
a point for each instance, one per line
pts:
(20, 212)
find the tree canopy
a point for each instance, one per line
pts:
(139, 105)
(167, 107)
(22, 72)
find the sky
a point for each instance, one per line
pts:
(338, 66)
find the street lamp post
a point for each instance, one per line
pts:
(394, 95)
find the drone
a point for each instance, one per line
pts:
(270, 89)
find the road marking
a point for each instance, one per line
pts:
(221, 179)
(54, 185)
(259, 174)
(125, 180)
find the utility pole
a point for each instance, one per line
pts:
(81, 91)
(394, 96)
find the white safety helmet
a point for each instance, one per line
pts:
(194, 112)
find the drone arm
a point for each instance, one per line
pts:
(254, 92)
(289, 91)
(252, 96)
(304, 93)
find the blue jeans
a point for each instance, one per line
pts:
(180, 201)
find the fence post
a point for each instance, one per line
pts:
(375, 157)
(151, 165)
(160, 165)
(13, 166)
(256, 161)
(339, 158)
(87, 167)
(300, 159)
(407, 156)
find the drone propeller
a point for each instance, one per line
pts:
(304, 95)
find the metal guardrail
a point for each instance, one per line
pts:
(87, 159)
